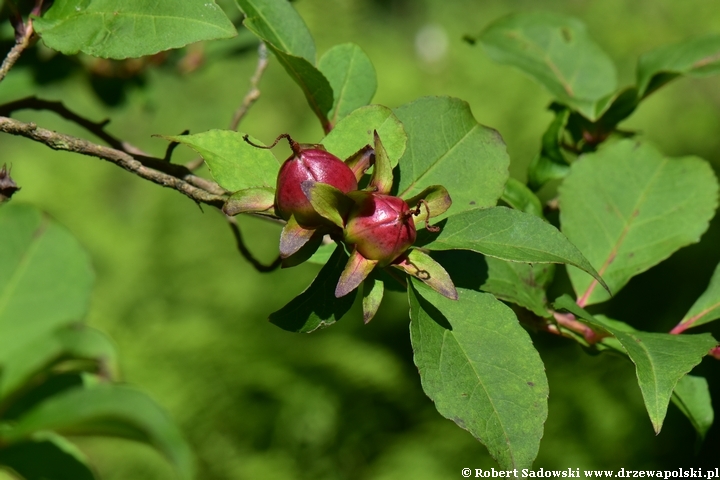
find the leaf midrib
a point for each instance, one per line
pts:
(21, 268)
(72, 18)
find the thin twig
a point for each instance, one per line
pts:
(246, 253)
(22, 41)
(153, 169)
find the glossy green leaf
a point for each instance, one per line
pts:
(317, 307)
(706, 308)
(130, 28)
(277, 23)
(46, 277)
(26, 360)
(234, 163)
(372, 295)
(46, 456)
(448, 147)
(311, 81)
(356, 131)
(692, 397)
(480, 368)
(330, 202)
(557, 52)
(506, 234)
(520, 283)
(422, 266)
(351, 76)
(698, 57)
(660, 359)
(257, 200)
(520, 197)
(627, 208)
(107, 410)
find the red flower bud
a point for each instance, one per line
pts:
(381, 228)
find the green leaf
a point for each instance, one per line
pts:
(46, 277)
(372, 295)
(550, 163)
(351, 76)
(311, 81)
(480, 368)
(698, 57)
(277, 23)
(448, 147)
(520, 197)
(627, 208)
(706, 308)
(557, 52)
(23, 362)
(660, 359)
(356, 131)
(382, 176)
(520, 283)
(107, 410)
(258, 200)
(330, 202)
(421, 266)
(506, 234)
(322, 255)
(317, 307)
(692, 397)
(130, 28)
(234, 163)
(46, 456)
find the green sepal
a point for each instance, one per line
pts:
(293, 237)
(356, 270)
(382, 177)
(328, 201)
(259, 200)
(436, 199)
(360, 161)
(372, 295)
(421, 266)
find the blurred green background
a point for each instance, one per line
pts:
(189, 314)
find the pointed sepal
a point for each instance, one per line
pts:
(259, 200)
(293, 237)
(433, 201)
(356, 270)
(328, 201)
(304, 253)
(372, 295)
(360, 161)
(382, 177)
(421, 266)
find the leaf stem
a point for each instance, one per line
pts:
(254, 93)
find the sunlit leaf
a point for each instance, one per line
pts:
(556, 51)
(351, 76)
(627, 208)
(130, 28)
(520, 283)
(480, 368)
(448, 147)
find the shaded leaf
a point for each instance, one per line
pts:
(234, 164)
(706, 308)
(627, 208)
(356, 131)
(46, 456)
(698, 57)
(110, 411)
(448, 147)
(521, 283)
(692, 397)
(258, 200)
(322, 255)
(279, 24)
(556, 51)
(480, 368)
(506, 234)
(351, 76)
(46, 277)
(550, 163)
(660, 359)
(372, 295)
(130, 28)
(317, 307)
(520, 197)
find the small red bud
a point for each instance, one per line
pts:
(381, 228)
